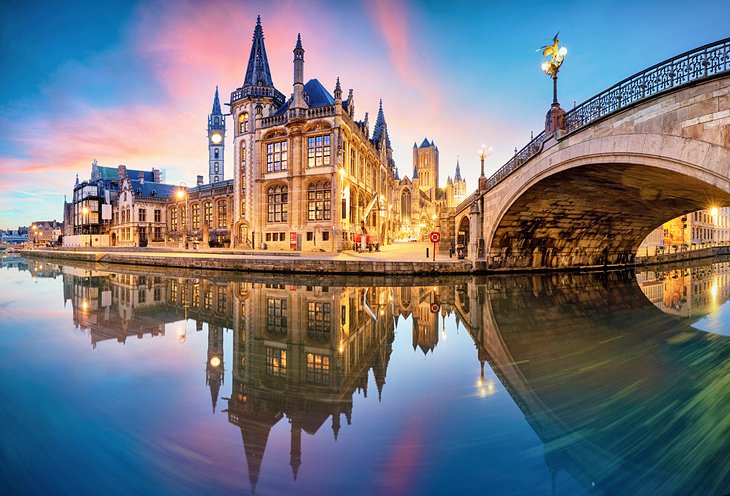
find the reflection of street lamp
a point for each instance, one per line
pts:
(85, 211)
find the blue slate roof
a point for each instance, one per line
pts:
(425, 143)
(315, 95)
(153, 189)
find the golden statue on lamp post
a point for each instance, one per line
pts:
(555, 119)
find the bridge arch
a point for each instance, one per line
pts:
(590, 197)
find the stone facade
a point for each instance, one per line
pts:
(307, 174)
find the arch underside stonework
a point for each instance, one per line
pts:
(594, 214)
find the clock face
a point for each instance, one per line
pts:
(216, 138)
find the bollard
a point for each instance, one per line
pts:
(426, 252)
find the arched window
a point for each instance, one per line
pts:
(319, 196)
(222, 214)
(173, 219)
(208, 213)
(352, 161)
(196, 215)
(216, 153)
(405, 206)
(278, 198)
(215, 167)
(243, 122)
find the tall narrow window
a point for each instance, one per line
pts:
(196, 215)
(173, 219)
(142, 214)
(275, 361)
(318, 150)
(276, 316)
(278, 198)
(405, 206)
(276, 156)
(208, 213)
(243, 122)
(352, 162)
(158, 215)
(319, 205)
(216, 153)
(183, 216)
(222, 214)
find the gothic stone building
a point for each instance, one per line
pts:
(307, 175)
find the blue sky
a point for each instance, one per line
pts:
(132, 82)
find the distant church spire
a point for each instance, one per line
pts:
(457, 176)
(258, 72)
(381, 128)
(216, 103)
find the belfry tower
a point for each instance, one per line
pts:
(216, 141)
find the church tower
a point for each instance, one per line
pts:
(459, 185)
(426, 167)
(216, 141)
(214, 366)
(256, 99)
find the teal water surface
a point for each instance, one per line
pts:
(124, 380)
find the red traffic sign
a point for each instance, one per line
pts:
(435, 236)
(435, 307)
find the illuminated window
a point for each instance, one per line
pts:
(222, 214)
(196, 215)
(243, 122)
(173, 219)
(208, 299)
(276, 316)
(276, 156)
(352, 162)
(278, 198)
(196, 295)
(208, 213)
(318, 368)
(318, 320)
(319, 205)
(275, 362)
(183, 216)
(318, 150)
(221, 299)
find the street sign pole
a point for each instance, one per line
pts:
(435, 237)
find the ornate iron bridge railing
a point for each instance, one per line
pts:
(698, 64)
(705, 62)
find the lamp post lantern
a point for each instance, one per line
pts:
(483, 152)
(556, 116)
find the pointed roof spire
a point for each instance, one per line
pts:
(381, 126)
(396, 174)
(415, 145)
(425, 143)
(299, 42)
(216, 103)
(457, 175)
(257, 71)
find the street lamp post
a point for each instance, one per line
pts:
(556, 116)
(483, 152)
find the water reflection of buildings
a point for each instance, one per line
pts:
(691, 292)
(585, 357)
(299, 352)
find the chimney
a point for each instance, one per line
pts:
(121, 172)
(156, 175)
(141, 177)
(200, 180)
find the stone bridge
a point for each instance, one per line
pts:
(588, 190)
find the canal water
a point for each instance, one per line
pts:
(123, 380)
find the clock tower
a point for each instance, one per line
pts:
(216, 141)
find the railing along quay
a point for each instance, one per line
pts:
(696, 65)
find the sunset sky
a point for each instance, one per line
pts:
(132, 82)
